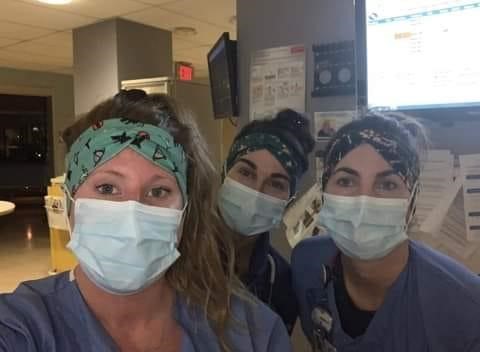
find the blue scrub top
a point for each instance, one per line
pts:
(434, 305)
(270, 280)
(51, 315)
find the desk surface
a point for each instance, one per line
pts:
(6, 207)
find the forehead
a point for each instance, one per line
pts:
(365, 160)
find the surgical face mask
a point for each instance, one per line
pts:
(123, 247)
(249, 212)
(364, 227)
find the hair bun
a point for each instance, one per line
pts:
(291, 119)
(297, 125)
(131, 95)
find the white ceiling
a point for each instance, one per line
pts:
(38, 36)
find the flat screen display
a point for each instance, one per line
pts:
(223, 82)
(422, 54)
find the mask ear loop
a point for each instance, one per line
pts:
(224, 171)
(181, 224)
(291, 201)
(411, 205)
(69, 203)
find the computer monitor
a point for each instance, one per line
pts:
(418, 54)
(222, 67)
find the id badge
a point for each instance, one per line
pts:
(321, 343)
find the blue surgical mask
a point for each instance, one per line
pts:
(247, 211)
(123, 247)
(365, 227)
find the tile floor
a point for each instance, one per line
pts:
(24, 246)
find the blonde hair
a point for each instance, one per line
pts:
(204, 273)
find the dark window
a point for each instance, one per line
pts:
(23, 128)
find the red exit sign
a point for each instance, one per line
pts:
(184, 72)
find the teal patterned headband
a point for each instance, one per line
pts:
(107, 138)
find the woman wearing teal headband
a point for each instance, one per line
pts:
(262, 171)
(155, 270)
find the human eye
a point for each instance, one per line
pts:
(387, 185)
(246, 172)
(345, 181)
(107, 189)
(159, 192)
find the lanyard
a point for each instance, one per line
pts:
(321, 318)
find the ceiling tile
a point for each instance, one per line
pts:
(199, 52)
(182, 44)
(37, 48)
(20, 31)
(218, 12)
(206, 33)
(38, 37)
(6, 41)
(63, 39)
(157, 2)
(95, 8)
(23, 58)
(25, 13)
(29, 66)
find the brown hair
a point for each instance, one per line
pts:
(204, 273)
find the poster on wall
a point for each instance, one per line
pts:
(470, 173)
(300, 219)
(277, 81)
(328, 123)
(334, 69)
(56, 212)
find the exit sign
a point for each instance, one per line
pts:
(184, 72)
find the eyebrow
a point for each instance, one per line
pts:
(158, 177)
(248, 162)
(254, 167)
(346, 170)
(386, 173)
(112, 173)
(355, 173)
(280, 176)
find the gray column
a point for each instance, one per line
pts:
(109, 52)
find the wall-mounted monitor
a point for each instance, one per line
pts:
(222, 67)
(418, 54)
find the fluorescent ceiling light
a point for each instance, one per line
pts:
(56, 2)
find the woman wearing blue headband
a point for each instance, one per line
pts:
(367, 287)
(155, 270)
(262, 171)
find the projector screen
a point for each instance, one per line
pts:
(422, 54)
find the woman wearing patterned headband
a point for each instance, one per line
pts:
(262, 171)
(366, 287)
(155, 269)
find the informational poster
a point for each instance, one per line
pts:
(447, 216)
(328, 123)
(300, 219)
(56, 212)
(277, 81)
(436, 182)
(470, 171)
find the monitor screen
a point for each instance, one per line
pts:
(222, 70)
(422, 54)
